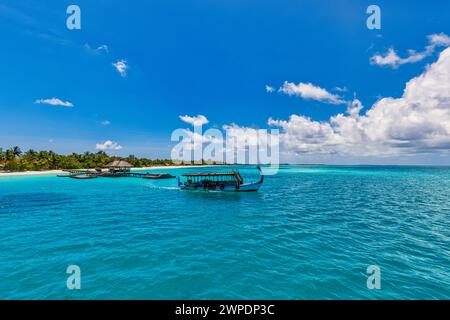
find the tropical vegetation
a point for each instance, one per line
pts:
(13, 159)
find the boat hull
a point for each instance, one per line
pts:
(84, 177)
(249, 187)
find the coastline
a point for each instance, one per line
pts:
(55, 172)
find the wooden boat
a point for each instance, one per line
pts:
(79, 174)
(83, 177)
(218, 181)
(158, 176)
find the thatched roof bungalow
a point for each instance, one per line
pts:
(119, 166)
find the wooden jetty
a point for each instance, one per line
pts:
(116, 169)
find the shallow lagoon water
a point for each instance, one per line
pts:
(309, 233)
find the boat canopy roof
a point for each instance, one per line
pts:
(211, 174)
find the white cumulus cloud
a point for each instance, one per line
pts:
(108, 145)
(269, 88)
(121, 66)
(440, 39)
(393, 60)
(100, 49)
(340, 89)
(54, 102)
(418, 122)
(196, 121)
(310, 91)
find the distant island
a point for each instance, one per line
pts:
(14, 160)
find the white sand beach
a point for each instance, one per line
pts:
(30, 173)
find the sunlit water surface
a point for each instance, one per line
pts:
(309, 233)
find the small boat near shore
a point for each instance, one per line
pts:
(84, 177)
(65, 175)
(219, 181)
(158, 176)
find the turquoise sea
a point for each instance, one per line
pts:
(309, 233)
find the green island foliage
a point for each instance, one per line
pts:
(13, 159)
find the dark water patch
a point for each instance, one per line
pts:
(27, 202)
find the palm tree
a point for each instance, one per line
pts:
(2, 156)
(30, 154)
(10, 155)
(17, 152)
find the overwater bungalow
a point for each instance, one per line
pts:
(119, 168)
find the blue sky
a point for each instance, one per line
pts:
(211, 58)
